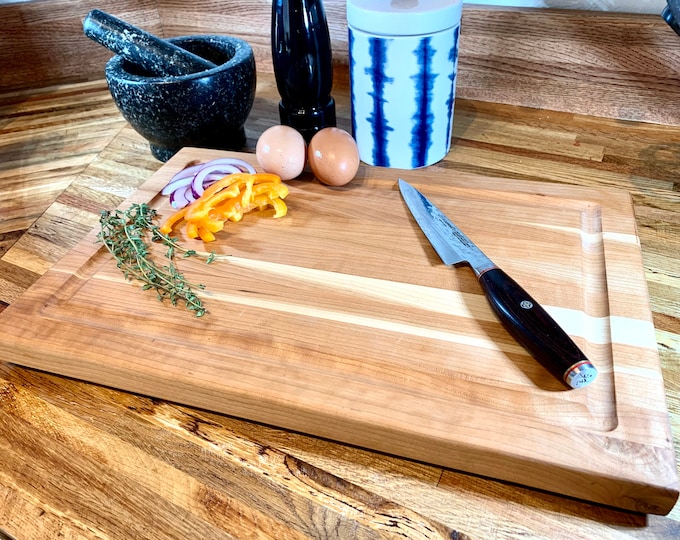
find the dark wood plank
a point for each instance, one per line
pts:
(607, 64)
(43, 42)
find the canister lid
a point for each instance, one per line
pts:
(403, 17)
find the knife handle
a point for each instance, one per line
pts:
(534, 328)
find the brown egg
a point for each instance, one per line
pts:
(333, 156)
(281, 150)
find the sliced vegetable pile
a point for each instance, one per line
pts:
(188, 184)
(227, 199)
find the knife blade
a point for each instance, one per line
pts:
(524, 318)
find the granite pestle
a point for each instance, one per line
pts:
(153, 55)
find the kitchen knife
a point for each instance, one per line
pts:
(522, 316)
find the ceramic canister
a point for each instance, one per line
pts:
(403, 62)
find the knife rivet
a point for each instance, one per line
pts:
(525, 304)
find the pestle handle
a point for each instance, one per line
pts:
(155, 55)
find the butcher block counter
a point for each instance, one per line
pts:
(88, 460)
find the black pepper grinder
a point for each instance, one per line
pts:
(303, 65)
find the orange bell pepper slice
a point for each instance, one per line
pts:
(280, 208)
(169, 224)
(205, 234)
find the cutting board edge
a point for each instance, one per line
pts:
(646, 495)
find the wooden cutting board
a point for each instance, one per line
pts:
(340, 321)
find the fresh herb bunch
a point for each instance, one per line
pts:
(125, 233)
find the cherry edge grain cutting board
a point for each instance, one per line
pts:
(340, 321)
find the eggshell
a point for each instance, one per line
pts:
(281, 150)
(333, 156)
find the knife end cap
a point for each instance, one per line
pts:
(580, 374)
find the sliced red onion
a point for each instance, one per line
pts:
(173, 200)
(244, 166)
(183, 177)
(181, 197)
(188, 184)
(177, 183)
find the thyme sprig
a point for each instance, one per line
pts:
(125, 233)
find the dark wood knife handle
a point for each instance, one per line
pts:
(534, 328)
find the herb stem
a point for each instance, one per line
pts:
(124, 235)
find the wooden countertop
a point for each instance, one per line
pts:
(83, 461)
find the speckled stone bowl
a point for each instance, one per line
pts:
(206, 109)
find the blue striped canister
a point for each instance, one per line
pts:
(403, 60)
